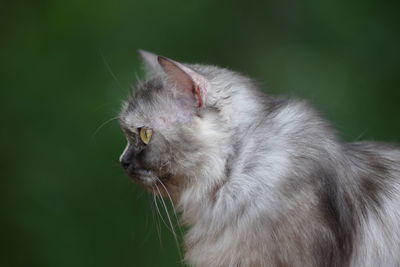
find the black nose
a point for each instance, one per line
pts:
(125, 163)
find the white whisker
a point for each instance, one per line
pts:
(156, 220)
(102, 125)
(159, 213)
(170, 222)
(172, 204)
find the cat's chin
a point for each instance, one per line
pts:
(143, 177)
(150, 181)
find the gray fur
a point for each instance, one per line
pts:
(262, 180)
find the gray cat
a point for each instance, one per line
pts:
(261, 180)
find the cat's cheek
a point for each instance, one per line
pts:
(149, 161)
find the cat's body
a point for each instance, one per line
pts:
(261, 180)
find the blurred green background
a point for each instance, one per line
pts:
(66, 66)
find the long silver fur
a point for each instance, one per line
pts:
(262, 180)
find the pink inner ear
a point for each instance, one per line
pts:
(198, 96)
(181, 79)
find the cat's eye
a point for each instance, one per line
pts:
(145, 135)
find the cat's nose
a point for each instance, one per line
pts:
(125, 163)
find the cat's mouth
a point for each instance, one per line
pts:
(143, 177)
(149, 179)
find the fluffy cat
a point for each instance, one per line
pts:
(261, 180)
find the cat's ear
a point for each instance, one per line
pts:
(150, 61)
(189, 83)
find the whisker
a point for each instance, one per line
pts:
(102, 125)
(156, 220)
(148, 232)
(166, 211)
(172, 204)
(170, 222)
(159, 213)
(111, 72)
(360, 135)
(138, 84)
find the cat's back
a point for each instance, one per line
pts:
(376, 166)
(384, 151)
(375, 170)
(292, 147)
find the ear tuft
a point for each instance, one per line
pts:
(150, 60)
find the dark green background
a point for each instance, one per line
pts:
(66, 66)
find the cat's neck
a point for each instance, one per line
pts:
(236, 119)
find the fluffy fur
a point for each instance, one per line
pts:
(260, 180)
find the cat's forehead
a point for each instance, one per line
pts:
(139, 114)
(155, 111)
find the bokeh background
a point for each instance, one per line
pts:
(66, 65)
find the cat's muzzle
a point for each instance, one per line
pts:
(138, 175)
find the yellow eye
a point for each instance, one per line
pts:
(145, 135)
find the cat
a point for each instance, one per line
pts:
(260, 180)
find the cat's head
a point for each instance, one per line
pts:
(177, 125)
